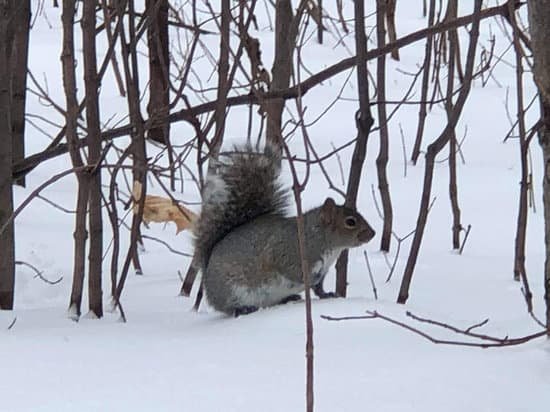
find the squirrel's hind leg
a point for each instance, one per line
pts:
(244, 310)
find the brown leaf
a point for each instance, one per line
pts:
(161, 209)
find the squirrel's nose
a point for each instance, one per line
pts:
(366, 235)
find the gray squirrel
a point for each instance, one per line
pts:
(247, 247)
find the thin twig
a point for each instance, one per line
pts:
(374, 291)
(12, 323)
(464, 240)
(38, 273)
(167, 245)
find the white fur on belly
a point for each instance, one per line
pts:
(268, 294)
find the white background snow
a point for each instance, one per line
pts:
(170, 358)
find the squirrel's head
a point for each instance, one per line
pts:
(352, 228)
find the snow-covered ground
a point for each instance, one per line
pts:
(170, 358)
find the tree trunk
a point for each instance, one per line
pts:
(286, 30)
(223, 84)
(7, 243)
(159, 69)
(364, 121)
(422, 112)
(95, 253)
(433, 149)
(520, 272)
(131, 75)
(320, 27)
(19, 59)
(79, 259)
(138, 138)
(159, 61)
(71, 116)
(392, 31)
(539, 25)
(382, 159)
(452, 10)
(544, 136)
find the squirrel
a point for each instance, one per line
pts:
(246, 246)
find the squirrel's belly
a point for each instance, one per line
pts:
(268, 293)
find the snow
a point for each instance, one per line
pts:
(167, 357)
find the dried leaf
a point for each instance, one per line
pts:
(162, 209)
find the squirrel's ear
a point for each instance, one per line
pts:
(327, 211)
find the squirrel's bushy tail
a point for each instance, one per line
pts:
(245, 187)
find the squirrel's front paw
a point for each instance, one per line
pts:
(321, 294)
(327, 295)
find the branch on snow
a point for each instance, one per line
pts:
(487, 340)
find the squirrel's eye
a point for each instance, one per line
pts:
(350, 221)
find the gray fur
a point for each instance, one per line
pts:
(249, 249)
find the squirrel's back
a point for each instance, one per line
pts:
(245, 187)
